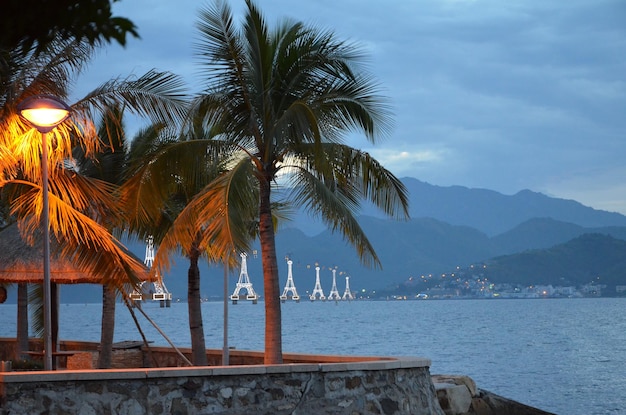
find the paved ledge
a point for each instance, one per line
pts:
(154, 373)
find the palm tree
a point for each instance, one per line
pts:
(107, 165)
(176, 193)
(285, 99)
(82, 209)
(167, 174)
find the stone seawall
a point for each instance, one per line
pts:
(392, 386)
(149, 381)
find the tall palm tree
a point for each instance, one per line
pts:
(286, 98)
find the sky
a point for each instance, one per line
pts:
(492, 94)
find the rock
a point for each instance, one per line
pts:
(459, 395)
(453, 399)
(457, 380)
(481, 407)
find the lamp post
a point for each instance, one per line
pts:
(45, 113)
(225, 351)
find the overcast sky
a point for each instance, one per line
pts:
(502, 95)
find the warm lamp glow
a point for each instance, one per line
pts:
(44, 117)
(43, 112)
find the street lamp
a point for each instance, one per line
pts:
(44, 113)
(225, 351)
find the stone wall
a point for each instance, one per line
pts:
(388, 387)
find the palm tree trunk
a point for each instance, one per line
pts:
(198, 348)
(22, 321)
(108, 327)
(271, 287)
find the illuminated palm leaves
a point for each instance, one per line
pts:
(81, 208)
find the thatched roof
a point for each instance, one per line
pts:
(23, 263)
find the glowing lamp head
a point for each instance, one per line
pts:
(43, 112)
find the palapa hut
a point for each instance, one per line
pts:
(22, 264)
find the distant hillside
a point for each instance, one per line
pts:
(404, 248)
(587, 258)
(546, 232)
(421, 247)
(537, 233)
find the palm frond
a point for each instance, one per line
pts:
(159, 96)
(175, 171)
(85, 243)
(74, 202)
(217, 219)
(357, 175)
(146, 143)
(222, 51)
(49, 72)
(219, 47)
(335, 208)
(231, 203)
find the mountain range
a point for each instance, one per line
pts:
(449, 227)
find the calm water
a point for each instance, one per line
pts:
(564, 356)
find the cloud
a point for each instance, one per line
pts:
(504, 95)
(404, 160)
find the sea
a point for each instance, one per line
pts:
(566, 356)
